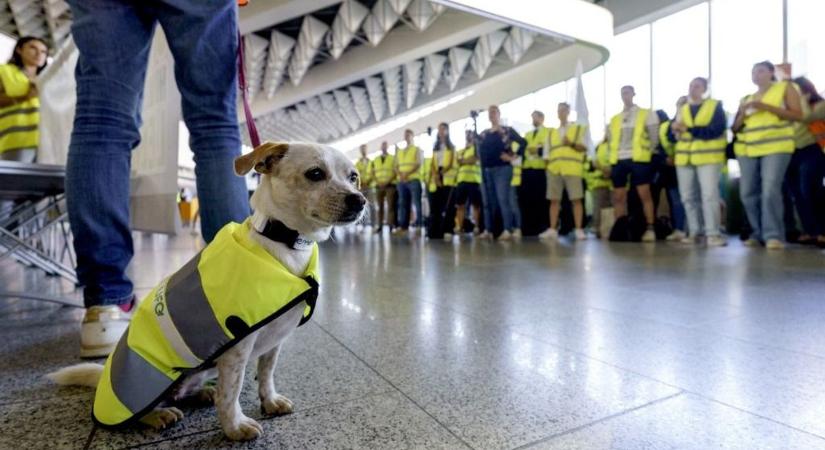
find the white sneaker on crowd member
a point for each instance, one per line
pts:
(751, 242)
(101, 330)
(774, 244)
(581, 235)
(716, 241)
(550, 233)
(485, 235)
(505, 236)
(689, 240)
(649, 236)
(517, 233)
(476, 231)
(448, 236)
(676, 236)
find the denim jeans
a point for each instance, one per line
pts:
(699, 186)
(114, 40)
(496, 193)
(805, 175)
(514, 208)
(408, 192)
(761, 191)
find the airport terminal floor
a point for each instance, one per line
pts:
(485, 345)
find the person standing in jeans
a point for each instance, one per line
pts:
(496, 156)
(765, 131)
(407, 164)
(364, 167)
(114, 40)
(383, 172)
(700, 130)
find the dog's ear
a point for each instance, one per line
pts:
(263, 159)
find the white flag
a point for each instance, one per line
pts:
(580, 107)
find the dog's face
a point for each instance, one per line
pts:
(309, 187)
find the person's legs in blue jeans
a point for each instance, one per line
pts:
(708, 177)
(502, 176)
(404, 195)
(204, 44)
(114, 41)
(750, 190)
(773, 168)
(415, 191)
(489, 198)
(514, 208)
(677, 210)
(689, 191)
(807, 190)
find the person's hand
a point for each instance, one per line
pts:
(606, 172)
(678, 127)
(32, 92)
(506, 157)
(669, 161)
(565, 141)
(759, 106)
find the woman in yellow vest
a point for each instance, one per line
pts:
(765, 129)
(700, 130)
(407, 169)
(469, 185)
(19, 102)
(443, 173)
(808, 164)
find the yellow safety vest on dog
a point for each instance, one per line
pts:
(230, 289)
(697, 152)
(564, 159)
(764, 133)
(19, 123)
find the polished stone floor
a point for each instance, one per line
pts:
(489, 346)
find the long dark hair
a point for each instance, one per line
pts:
(17, 60)
(807, 87)
(447, 142)
(768, 65)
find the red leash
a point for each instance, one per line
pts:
(250, 121)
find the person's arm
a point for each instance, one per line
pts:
(522, 143)
(817, 112)
(579, 144)
(417, 166)
(793, 106)
(6, 100)
(716, 127)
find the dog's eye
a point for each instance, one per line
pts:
(353, 178)
(315, 175)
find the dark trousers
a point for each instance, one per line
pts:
(386, 202)
(804, 181)
(533, 202)
(442, 212)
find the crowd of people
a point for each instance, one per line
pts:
(503, 184)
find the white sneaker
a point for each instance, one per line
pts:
(716, 241)
(550, 233)
(505, 236)
(753, 243)
(485, 235)
(101, 330)
(774, 244)
(688, 240)
(581, 235)
(677, 235)
(517, 233)
(649, 236)
(476, 231)
(448, 237)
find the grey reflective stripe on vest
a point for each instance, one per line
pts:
(566, 158)
(770, 141)
(766, 127)
(191, 313)
(133, 379)
(696, 152)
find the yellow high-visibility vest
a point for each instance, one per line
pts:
(593, 175)
(383, 168)
(406, 159)
(765, 133)
(536, 140)
(364, 169)
(564, 159)
(194, 316)
(448, 177)
(698, 152)
(669, 147)
(19, 123)
(641, 141)
(469, 173)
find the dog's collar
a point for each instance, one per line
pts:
(277, 231)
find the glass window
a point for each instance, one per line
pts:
(805, 39)
(680, 54)
(593, 82)
(744, 32)
(629, 64)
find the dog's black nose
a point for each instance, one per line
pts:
(355, 202)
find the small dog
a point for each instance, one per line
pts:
(309, 188)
